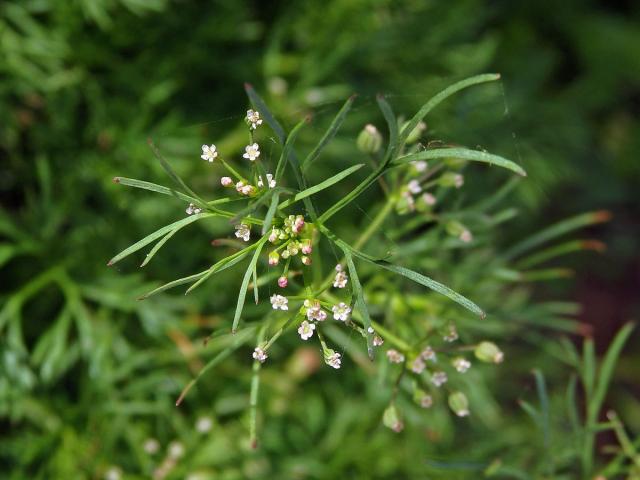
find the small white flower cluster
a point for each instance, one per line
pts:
(332, 358)
(451, 335)
(439, 378)
(209, 153)
(260, 355)
(341, 311)
(193, 209)
(278, 302)
(243, 231)
(461, 364)
(253, 119)
(292, 238)
(395, 356)
(341, 278)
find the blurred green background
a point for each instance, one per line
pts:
(88, 373)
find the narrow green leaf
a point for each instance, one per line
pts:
(360, 303)
(245, 284)
(588, 366)
(427, 282)
(321, 186)
(559, 250)
(255, 284)
(463, 153)
(268, 218)
(157, 234)
(174, 283)
(556, 230)
(171, 172)
(221, 266)
(329, 134)
(259, 105)
(253, 396)
(440, 97)
(288, 146)
(608, 365)
(132, 182)
(544, 405)
(392, 124)
(158, 246)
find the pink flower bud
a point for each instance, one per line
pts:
(306, 247)
(306, 260)
(283, 282)
(274, 258)
(226, 181)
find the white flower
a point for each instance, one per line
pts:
(426, 401)
(113, 473)
(428, 354)
(260, 355)
(461, 364)
(279, 302)
(151, 446)
(226, 181)
(439, 378)
(204, 424)
(338, 268)
(420, 165)
(176, 450)
(270, 181)
(341, 311)
(341, 280)
(429, 199)
(253, 119)
(371, 330)
(192, 209)
(315, 312)
(466, 236)
(247, 190)
(239, 186)
(417, 366)
(395, 356)
(333, 360)
(306, 330)
(458, 180)
(243, 231)
(414, 187)
(452, 335)
(252, 152)
(209, 153)
(377, 341)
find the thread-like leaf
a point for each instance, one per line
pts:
(268, 218)
(158, 246)
(157, 234)
(392, 124)
(356, 287)
(245, 283)
(153, 187)
(174, 283)
(321, 186)
(462, 153)
(556, 230)
(171, 172)
(288, 147)
(427, 282)
(222, 265)
(440, 97)
(329, 134)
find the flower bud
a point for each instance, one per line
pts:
(305, 246)
(226, 181)
(283, 282)
(391, 419)
(451, 179)
(422, 398)
(306, 260)
(274, 258)
(416, 133)
(369, 140)
(459, 404)
(488, 352)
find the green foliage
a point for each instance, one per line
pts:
(88, 373)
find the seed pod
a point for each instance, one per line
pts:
(369, 140)
(488, 352)
(459, 404)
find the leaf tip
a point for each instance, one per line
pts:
(602, 216)
(248, 86)
(353, 97)
(110, 263)
(254, 443)
(234, 331)
(116, 179)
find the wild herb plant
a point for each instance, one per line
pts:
(292, 234)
